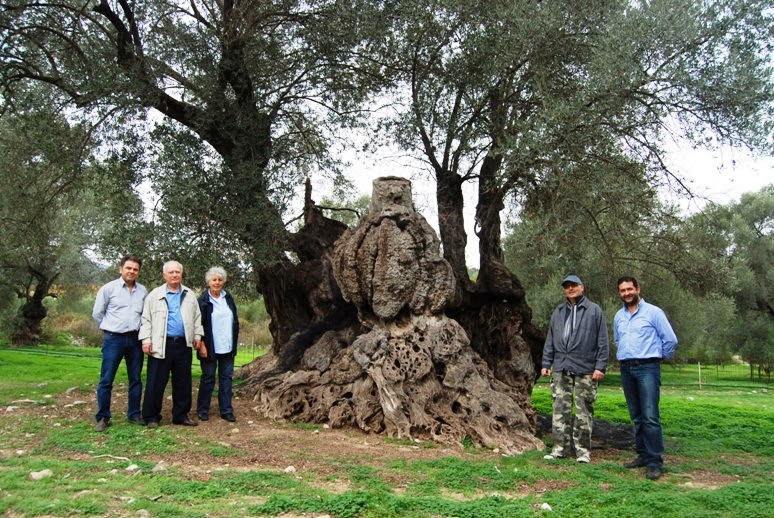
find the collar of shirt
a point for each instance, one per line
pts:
(218, 300)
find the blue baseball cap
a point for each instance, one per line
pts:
(572, 278)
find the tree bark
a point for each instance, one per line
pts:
(451, 226)
(361, 337)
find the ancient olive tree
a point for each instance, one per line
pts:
(412, 369)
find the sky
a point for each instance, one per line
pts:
(721, 176)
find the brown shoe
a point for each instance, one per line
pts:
(187, 422)
(102, 425)
(153, 424)
(137, 420)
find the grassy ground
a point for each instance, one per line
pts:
(720, 460)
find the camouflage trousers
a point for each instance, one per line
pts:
(572, 436)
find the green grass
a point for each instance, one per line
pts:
(725, 431)
(31, 373)
(36, 372)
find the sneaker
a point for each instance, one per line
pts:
(552, 456)
(102, 425)
(636, 463)
(653, 473)
(585, 458)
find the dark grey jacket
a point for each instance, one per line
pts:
(588, 346)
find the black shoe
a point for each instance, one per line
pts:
(653, 473)
(102, 425)
(229, 417)
(137, 420)
(636, 463)
(204, 417)
(187, 422)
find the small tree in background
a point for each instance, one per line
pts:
(45, 211)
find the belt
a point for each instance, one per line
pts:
(128, 333)
(176, 339)
(641, 361)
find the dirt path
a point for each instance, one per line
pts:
(258, 442)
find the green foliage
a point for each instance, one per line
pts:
(710, 272)
(252, 311)
(715, 426)
(250, 109)
(69, 321)
(461, 476)
(258, 482)
(254, 335)
(354, 504)
(738, 242)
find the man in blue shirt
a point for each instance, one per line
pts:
(644, 337)
(117, 311)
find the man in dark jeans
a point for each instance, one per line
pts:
(644, 337)
(117, 311)
(171, 327)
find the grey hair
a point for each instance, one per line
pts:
(171, 263)
(215, 271)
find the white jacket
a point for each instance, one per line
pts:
(153, 326)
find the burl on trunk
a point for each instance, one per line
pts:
(405, 368)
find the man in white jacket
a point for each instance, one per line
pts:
(171, 327)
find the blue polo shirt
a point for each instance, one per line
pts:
(174, 319)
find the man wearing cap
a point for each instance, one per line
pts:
(117, 311)
(171, 328)
(644, 337)
(577, 348)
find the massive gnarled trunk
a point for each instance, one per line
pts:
(375, 347)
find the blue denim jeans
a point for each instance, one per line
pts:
(114, 349)
(641, 386)
(225, 366)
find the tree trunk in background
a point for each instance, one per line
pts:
(28, 321)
